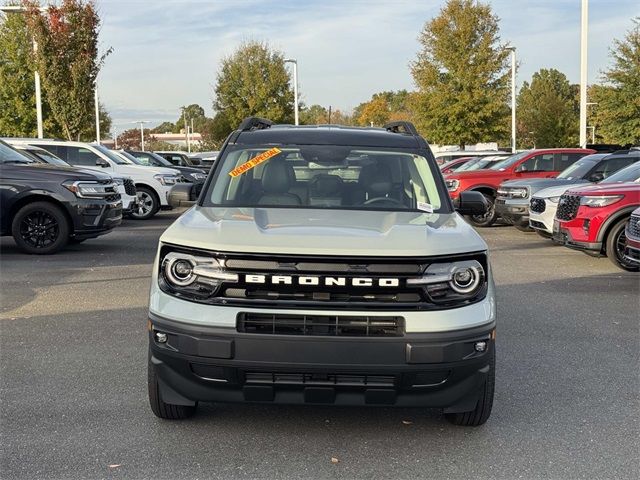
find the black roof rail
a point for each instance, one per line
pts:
(407, 127)
(254, 123)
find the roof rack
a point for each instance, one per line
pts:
(407, 127)
(254, 123)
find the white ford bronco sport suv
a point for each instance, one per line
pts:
(324, 265)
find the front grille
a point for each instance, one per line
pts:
(536, 224)
(319, 379)
(113, 198)
(568, 207)
(633, 229)
(538, 205)
(129, 187)
(320, 325)
(352, 296)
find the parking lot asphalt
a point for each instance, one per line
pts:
(74, 402)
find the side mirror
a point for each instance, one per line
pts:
(102, 163)
(472, 203)
(596, 177)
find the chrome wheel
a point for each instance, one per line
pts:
(147, 205)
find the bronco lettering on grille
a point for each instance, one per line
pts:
(324, 281)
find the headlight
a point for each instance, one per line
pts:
(554, 199)
(90, 189)
(198, 176)
(457, 281)
(192, 276)
(166, 179)
(452, 185)
(600, 201)
(519, 192)
(118, 181)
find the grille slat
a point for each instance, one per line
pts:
(320, 325)
(633, 229)
(568, 207)
(129, 187)
(538, 205)
(314, 379)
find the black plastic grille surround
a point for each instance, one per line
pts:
(568, 207)
(537, 205)
(319, 379)
(129, 187)
(323, 325)
(633, 229)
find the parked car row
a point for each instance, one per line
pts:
(576, 197)
(56, 192)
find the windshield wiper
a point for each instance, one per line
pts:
(17, 161)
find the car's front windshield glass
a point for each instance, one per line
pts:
(627, 174)
(112, 156)
(581, 167)
(9, 155)
(326, 176)
(509, 161)
(48, 157)
(484, 163)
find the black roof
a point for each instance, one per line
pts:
(328, 135)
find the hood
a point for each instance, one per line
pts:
(142, 170)
(323, 232)
(536, 184)
(555, 191)
(71, 173)
(607, 188)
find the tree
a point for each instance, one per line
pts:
(314, 115)
(253, 81)
(130, 139)
(462, 76)
(67, 59)
(376, 112)
(165, 127)
(617, 113)
(547, 110)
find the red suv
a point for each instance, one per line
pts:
(593, 219)
(528, 164)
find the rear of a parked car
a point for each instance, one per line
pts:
(323, 266)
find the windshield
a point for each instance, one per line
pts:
(581, 167)
(480, 163)
(150, 159)
(627, 174)
(509, 161)
(47, 157)
(9, 155)
(326, 176)
(112, 156)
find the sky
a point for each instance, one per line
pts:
(166, 53)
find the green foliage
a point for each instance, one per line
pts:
(253, 81)
(165, 127)
(67, 59)
(462, 76)
(617, 113)
(314, 115)
(548, 111)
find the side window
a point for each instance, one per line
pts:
(144, 160)
(612, 166)
(84, 156)
(538, 163)
(61, 151)
(564, 160)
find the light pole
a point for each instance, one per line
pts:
(593, 131)
(583, 72)
(19, 9)
(295, 86)
(513, 97)
(142, 122)
(97, 113)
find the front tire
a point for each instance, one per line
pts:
(481, 413)
(159, 408)
(616, 241)
(148, 204)
(40, 228)
(488, 218)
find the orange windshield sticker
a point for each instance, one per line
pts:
(255, 161)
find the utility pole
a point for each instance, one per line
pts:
(142, 122)
(186, 129)
(191, 137)
(97, 113)
(295, 87)
(584, 34)
(513, 98)
(329, 122)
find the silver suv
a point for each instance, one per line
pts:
(324, 265)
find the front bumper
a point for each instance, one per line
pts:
(513, 211)
(94, 217)
(543, 220)
(182, 195)
(632, 250)
(563, 235)
(440, 370)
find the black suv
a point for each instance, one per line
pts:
(44, 206)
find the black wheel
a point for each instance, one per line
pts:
(616, 242)
(523, 227)
(481, 413)
(488, 218)
(148, 204)
(543, 234)
(40, 228)
(161, 409)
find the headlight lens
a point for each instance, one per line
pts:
(600, 201)
(192, 276)
(519, 192)
(90, 189)
(452, 185)
(457, 281)
(166, 179)
(118, 181)
(554, 199)
(198, 176)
